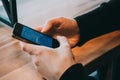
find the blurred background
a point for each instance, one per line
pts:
(37, 12)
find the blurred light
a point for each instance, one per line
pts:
(0, 3)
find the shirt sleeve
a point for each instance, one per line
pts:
(102, 20)
(75, 72)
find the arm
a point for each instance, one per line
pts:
(56, 64)
(102, 20)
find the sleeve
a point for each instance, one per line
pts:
(75, 72)
(102, 20)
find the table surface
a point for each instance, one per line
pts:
(16, 64)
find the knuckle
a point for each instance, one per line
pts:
(26, 50)
(35, 60)
(39, 51)
(23, 48)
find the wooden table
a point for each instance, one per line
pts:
(16, 64)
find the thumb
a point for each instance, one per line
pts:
(64, 47)
(63, 41)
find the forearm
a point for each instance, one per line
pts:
(102, 20)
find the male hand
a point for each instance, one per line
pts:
(64, 27)
(51, 63)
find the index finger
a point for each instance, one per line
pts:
(38, 28)
(50, 24)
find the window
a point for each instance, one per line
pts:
(37, 12)
(8, 12)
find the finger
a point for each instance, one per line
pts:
(33, 49)
(21, 44)
(38, 28)
(63, 41)
(50, 24)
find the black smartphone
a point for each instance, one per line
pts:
(32, 36)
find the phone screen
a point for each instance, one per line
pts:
(36, 37)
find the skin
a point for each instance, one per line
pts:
(51, 63)
(62, 26)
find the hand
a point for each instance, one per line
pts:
(64, 27)
(51, 63)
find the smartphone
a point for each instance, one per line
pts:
(27, 34)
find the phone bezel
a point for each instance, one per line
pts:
(18, 30)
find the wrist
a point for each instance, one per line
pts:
(62, 69)
(75, 72)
